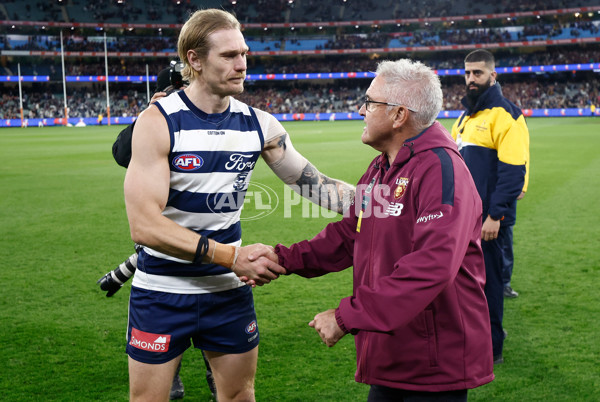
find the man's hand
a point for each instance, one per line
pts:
(257, 265)
(167, 91)
(326, 325)
(490, 229)
(157, 96)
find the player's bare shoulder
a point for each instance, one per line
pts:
(150, 133)
(151, 116)
(151, 120)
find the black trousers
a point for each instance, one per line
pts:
(494, 286)
(379, 393)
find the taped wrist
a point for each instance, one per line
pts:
(225, 255)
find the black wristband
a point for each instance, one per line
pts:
(201, 250)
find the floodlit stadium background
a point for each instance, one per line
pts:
(309, 60)
(63, 222)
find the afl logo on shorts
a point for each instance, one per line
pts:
(251, 328)
(188, 162)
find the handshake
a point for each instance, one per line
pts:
(257, 264)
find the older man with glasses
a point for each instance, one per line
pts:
(418, 310)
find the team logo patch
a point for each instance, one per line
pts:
(240, 181)
(149, 342)
(402, 183)
(251, 328)
(482, 127)
(188, 162)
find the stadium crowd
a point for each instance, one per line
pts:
(152, 11)
(436, 60)
(550, 91)
(421, 37)
(528, 93)
(306, 64)
(49, 103)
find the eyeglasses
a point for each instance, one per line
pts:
(368, 102)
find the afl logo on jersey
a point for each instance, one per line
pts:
(251, 328)
(188, 162)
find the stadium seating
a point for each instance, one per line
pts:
(305, 44)
(299, 96)
(265, 10)
(399, 39)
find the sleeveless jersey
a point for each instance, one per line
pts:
(211, 161)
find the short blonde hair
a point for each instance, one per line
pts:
(195, 32)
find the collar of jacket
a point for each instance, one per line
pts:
(486, 98)
(434, 136)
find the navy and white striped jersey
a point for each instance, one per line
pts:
(211, 161)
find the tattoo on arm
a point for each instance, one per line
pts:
(281, 142)
(332, 194)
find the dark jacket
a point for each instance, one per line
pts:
(121, 148)
(494, 141)
(418, 309)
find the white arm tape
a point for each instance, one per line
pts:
(289, 168)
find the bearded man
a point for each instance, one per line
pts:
(493, 139)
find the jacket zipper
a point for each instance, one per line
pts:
(370, 276)
(366, 334)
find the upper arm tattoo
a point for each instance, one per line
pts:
(281, 142)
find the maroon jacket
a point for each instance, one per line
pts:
(418, 309)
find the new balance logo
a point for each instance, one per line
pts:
(394, 209)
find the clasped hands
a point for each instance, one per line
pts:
(257, 265)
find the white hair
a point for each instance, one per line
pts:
(413, 84)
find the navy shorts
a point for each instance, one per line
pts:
(162, 325)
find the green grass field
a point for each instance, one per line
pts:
(63, 225)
